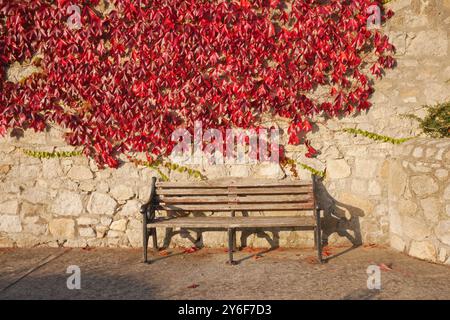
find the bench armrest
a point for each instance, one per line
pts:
(148, 210)
(144, 208)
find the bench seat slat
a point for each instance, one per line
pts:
(237, 191)
(225, 184)
(235, 199)
(238, 207)
(232, 222)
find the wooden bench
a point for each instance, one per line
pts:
(181, 198)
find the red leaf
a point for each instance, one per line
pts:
(271, 30)
(163, 253)
(171, 64)
(311, 151)
(245, 3)
(385, 267)
(190, 250)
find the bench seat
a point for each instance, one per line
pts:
(232, 222)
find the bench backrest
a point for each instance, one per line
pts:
(235, 195)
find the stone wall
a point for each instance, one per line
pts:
(419, 199)
(71, 202)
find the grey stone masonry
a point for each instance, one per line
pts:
(419, 199)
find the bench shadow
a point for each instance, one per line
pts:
(334, 220)
(271, 235)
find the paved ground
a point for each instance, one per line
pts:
(279, 274)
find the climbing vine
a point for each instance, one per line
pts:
(292, 165)
(127, 79)
(50, 155)
(437, 121)
(156, 165)
(376, 136)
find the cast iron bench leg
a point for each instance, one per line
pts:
(234, 240)
(155, 239)
(319, 236)
(230, 247)
(145, 240)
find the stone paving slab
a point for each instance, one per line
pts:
(279, 274)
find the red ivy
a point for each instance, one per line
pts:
(125, 81)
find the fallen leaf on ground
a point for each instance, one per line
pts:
(312, 260)
(164, 253)
(193, 286)
(385, 267)
(326, 251)
(190, 250)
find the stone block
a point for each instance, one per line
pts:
(122, 192)
(240, 171)
(442, 255)
(416, 229)
(441, 174)
(86, 232)
(135, 238)
(67, 203)
(10, 223)
(356, 205)
(28, 209)
(62, 228)
(447, 192)
(114, 234)
(442, 231)
(374, 188)
(6, 242)
(424, 250)
(127, 171)
(131, 208)
(429, 43)
(36, 195)
(418, 152)
(338, 169)
(366, 168)
(86, 221)
(101, 203)
(87, 185)
(407, 208)
(397, 243)
(423, 185)
(119, 225)
(106, 221)
(431, 208)
(101, 231)
(9, 207)
(397, 180)
(80, 173)
(269, 170)
(4, 169)
(359, 186)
